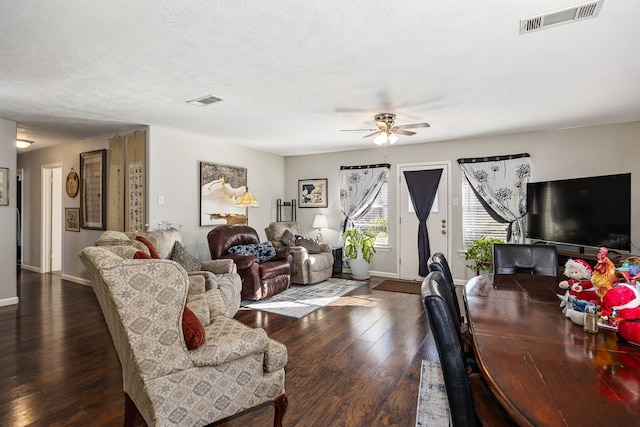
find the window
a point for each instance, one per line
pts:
(376, 219)
(476, 222)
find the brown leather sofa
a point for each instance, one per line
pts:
(259, 280)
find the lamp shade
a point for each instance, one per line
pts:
(320, 221)
(247, 201)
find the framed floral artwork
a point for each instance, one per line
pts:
(312, 193)
(72, 219)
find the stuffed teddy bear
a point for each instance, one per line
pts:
(579, 282)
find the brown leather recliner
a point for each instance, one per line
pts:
(259, 280)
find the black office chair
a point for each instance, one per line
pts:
(470, 402)
(516, 258)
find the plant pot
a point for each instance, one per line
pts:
(359, 269)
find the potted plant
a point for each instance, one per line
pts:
(358, 247)
(480, 252)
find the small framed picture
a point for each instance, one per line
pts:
(72, 219)
(312, 193)
(4, 186)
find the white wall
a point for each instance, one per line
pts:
(8, 256)
(568, 153)
(174, 173)
(72, 242)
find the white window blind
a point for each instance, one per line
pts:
(476, 222)
(376, 219)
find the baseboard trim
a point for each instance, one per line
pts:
(75, 279)
(9, 301)
(30, 268)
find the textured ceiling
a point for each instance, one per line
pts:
(293, 73)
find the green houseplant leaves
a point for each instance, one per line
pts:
(358, 241)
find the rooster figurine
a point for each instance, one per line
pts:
(604, 273)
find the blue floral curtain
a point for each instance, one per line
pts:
(500, 182)
(359, 186)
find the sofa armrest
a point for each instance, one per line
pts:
(325, 247)
(283, 252)
(275, 357)
(242, 261)
(219, 266)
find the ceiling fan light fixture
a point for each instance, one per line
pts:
(393, 139)
(380, 139)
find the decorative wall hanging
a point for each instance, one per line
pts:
(135, 206)
(220, 187)
(93, 186)
(4, 186)
(312, 193)
(72, 219)
(73, 184)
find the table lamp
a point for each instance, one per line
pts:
(320, 222)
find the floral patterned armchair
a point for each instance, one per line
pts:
(143, 301)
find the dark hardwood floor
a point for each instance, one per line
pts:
(353, 363)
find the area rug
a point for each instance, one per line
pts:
(405, 286)
(299, 301)
(433, 406)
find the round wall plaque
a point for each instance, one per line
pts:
(73, 184)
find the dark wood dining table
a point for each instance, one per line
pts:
(544, 369)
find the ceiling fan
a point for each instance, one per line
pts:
(387, 129)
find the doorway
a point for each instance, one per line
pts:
(19, 219)
(437, 223)
(51, 241)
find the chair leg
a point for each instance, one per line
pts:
(130, 411)
(281, 404)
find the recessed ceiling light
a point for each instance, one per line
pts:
(204, 101)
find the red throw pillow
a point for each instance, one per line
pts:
(141, 255)
(148, 244)
(192, 329)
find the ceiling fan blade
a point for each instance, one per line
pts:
(414, 125)
(358, 130)
(374, 133)
(404, 132)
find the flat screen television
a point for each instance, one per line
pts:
(592, 212)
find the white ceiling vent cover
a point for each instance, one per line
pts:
(204, 101)
(578, 13)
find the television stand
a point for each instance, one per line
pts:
(591, 257)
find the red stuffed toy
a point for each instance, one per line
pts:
(579, 283)
(629, 330)
(621, 302)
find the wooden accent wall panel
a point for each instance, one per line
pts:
(126, 209)
(115, 186)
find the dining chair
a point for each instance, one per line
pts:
(514, 258)
(470, 401)
(439, 263)
(438, 285)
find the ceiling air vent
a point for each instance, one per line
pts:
(205, 100)
(578, 13)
